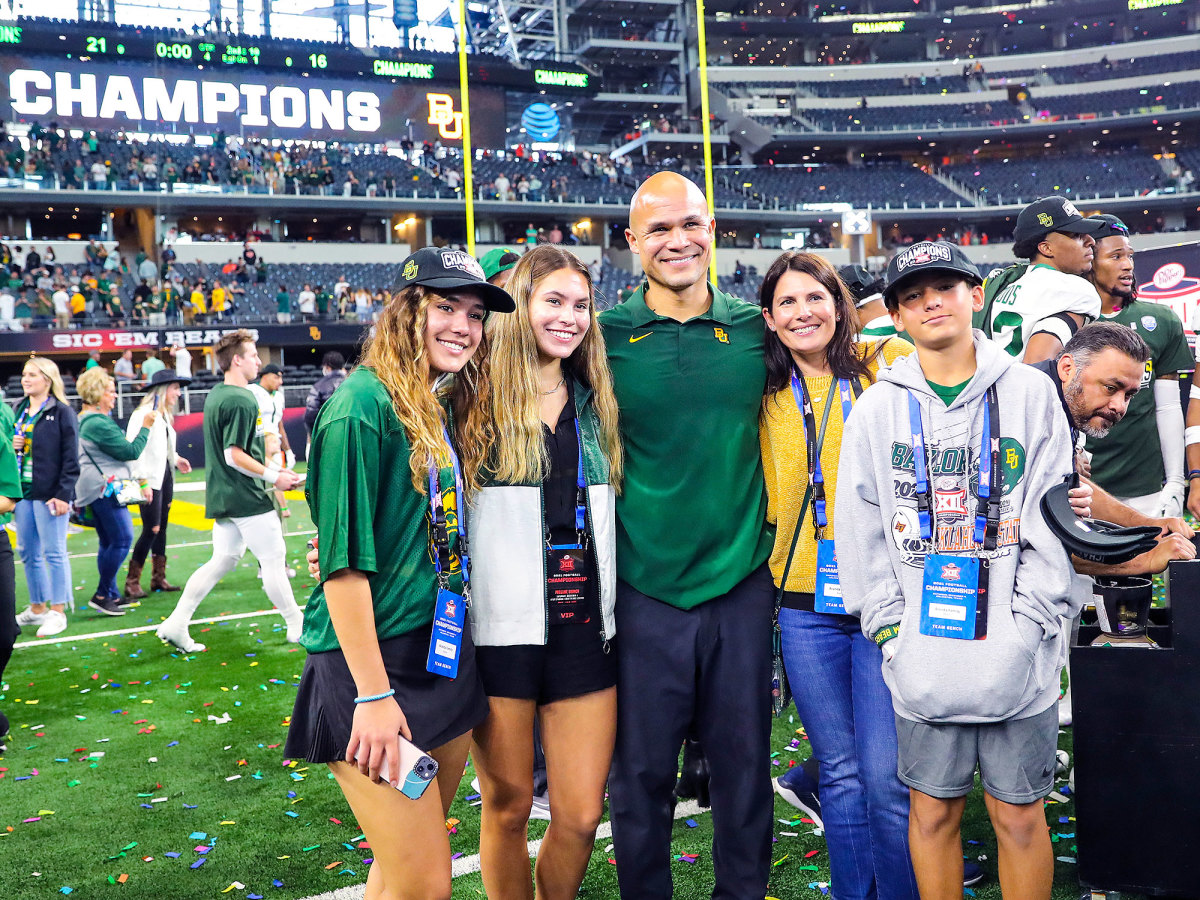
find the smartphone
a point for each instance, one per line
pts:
(154, 404)
(419, 770)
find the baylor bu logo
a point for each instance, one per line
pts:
(566, 564)
(721, 335)
(442, 114)
(314, 332)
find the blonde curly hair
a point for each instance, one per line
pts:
(92, 384)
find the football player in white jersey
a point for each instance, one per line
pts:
(1033, 309)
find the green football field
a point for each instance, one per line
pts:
(136, 771)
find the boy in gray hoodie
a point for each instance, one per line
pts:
(941, 544)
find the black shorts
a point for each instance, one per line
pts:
(437, 709)
(572, 663)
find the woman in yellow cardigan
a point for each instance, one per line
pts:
(815, 371)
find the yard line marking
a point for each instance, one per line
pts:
(468, 865)
(61, 639)
(92, 555)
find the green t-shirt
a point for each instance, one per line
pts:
(948, 393)
(692, 515)
(91, 363)
(1128, 462)
(368, 514)
(10, 479)
(231, 419)
(323, 301)
(151, 365)
(283, 301)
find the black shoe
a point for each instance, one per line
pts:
(972, 874)
(106, 605)
(126, 603)
(693, 777)
(4, 735)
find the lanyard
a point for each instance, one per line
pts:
(580, 495)
(25, 424)
(987, 513)
(815, 440)
(440, 529)
(580, 488)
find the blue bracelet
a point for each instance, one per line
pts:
(382, 696)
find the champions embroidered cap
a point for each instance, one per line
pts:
(927, 256)
(1041, 217)
(446, 269)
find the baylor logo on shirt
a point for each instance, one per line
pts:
(953, 460)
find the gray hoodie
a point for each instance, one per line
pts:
(1014, 672)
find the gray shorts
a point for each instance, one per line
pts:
(1015, 758)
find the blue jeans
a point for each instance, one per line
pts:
(114, 528)
(43, 540)
(837, 680)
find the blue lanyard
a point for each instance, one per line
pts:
(987, 513)
(441, 534)
(813, 440)
(580, 488)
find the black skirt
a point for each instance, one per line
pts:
(437, 709)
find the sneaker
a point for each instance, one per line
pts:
(972, 874)
(106, 605)
(4, 735)
(178, 637)
(805, 801)
(540, 808)
(295, 624)
(27, 617)
(54, 623)
(126, 602)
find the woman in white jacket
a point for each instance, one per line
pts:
(155, 466)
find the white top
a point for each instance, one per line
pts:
(183, 362)
(270, 407)
(124, 367)
(159, 451)
(62, 302)
(307, 301)
(1029, 305)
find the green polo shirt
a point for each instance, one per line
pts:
(692, 515)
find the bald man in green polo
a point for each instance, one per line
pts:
(694, 597)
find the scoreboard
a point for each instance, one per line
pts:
(223, 51)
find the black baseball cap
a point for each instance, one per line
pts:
(927, 256)
(441, 267)
(863, 285)
(270, 369)
(1050, 214)
(1110, 226)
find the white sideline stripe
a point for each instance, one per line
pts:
(71, 638)
(469, 865)
(92, 555)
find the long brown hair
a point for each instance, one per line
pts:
(520, 453)
(396, 354)
(842, 353)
